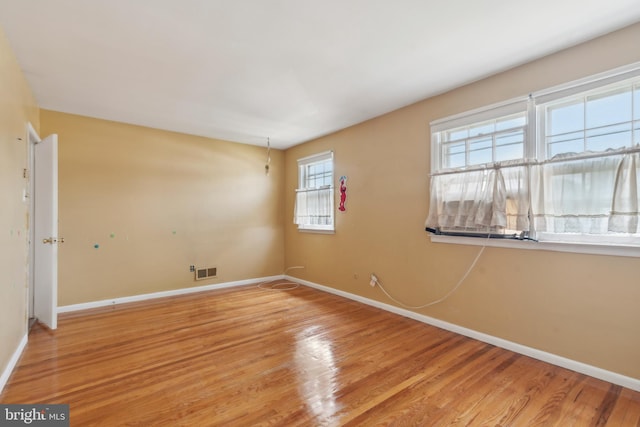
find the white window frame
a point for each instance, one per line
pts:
(479, 115)
(303, 165)
(439, 128)
(575, 88)
(535, 148)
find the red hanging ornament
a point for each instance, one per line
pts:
(343, 193)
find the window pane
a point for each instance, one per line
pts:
(565, 118)
(475, 143)
(510, 146)
(454, 155)
(509, 152)
(456, 148)
(568, 143)
(455, 161)
(636, 133)
(456, 134)
(481, 129)
(480, 143)
(603, 138)
(510, 138)
(319, 174)
(328, 166)
(609, 108)
(308, 181)
(480, 151)
(511, 122)
(327, 178)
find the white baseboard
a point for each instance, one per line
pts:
(583, 368)
(13, 361)
(162, 294)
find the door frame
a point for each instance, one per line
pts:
(32, 139)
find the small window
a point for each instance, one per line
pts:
(314, 195)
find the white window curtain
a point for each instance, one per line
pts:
(313, 206)
(587, 196)
(624, 211)
(495, 199)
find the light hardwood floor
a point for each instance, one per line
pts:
(248, 356)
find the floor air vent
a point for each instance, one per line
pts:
(206, 273)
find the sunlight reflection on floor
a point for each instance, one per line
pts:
(316, 365)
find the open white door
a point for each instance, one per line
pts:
(45, 223)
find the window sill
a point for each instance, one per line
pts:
(580, 248)
(316, 231)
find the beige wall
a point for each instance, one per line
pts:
(156, 202)
(583, 307)
(17, 108)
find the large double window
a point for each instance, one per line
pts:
(561, 165)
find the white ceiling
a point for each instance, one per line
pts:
(290, 70)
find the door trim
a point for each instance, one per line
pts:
(32, 139)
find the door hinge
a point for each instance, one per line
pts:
(53, 240)
(24, 173)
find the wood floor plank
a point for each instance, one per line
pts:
(254, 357)
(627, 409)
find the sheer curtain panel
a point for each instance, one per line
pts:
(587, 196)
(313, 206)
(494, 199)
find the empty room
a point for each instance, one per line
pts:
(331, 213)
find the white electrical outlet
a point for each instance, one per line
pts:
(374, 280)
